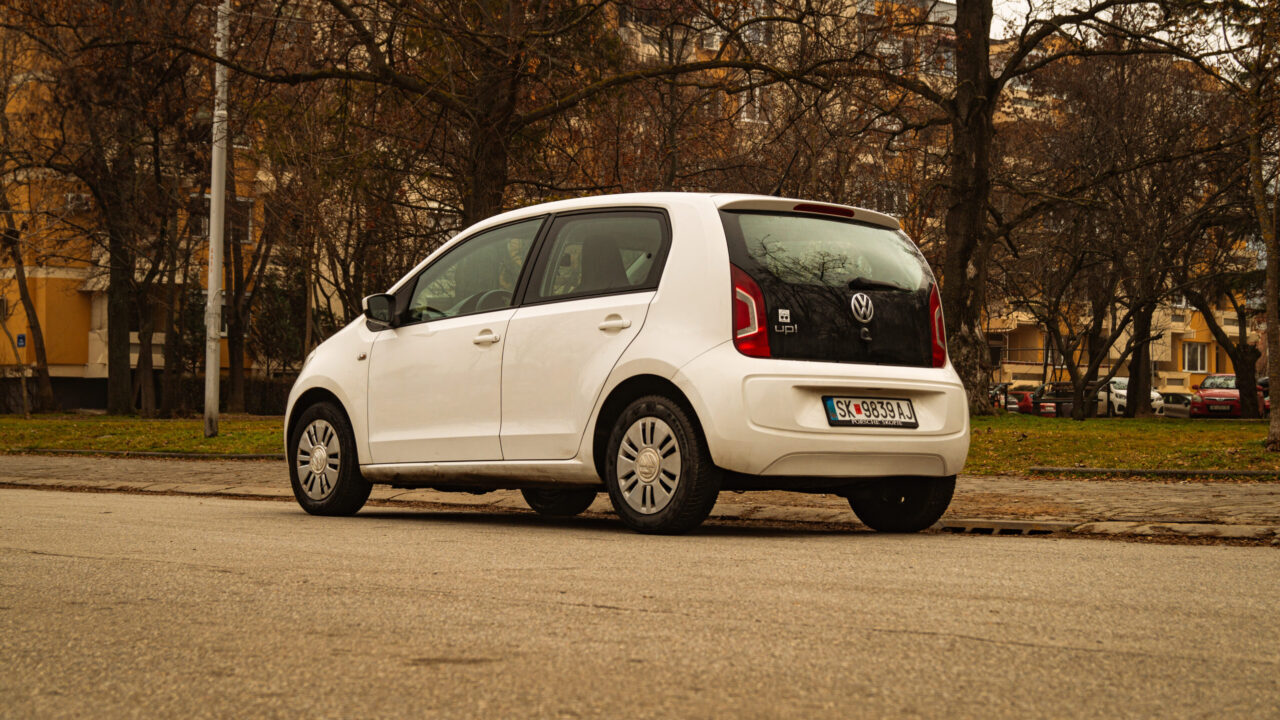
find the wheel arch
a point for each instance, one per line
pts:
(311, 397)
(622, 395)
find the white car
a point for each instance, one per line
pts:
(1113, 398)
(661, 347)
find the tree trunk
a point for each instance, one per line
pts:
(1245, 359)
(1269, 240)
(488, 155)
(145, 374)
(487, 181)
(969, 187)
(1271, 245)
(235, 369)
(119, 382)
(171, 374)
(1138, 396)
(45, 400)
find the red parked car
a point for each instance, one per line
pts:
(1218, 396)
(1026, 407)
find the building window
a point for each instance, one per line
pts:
(1195, 357)
(996, 343)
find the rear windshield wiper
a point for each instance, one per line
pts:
(865, 283)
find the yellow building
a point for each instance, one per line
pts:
(1183, 356)
(66, 277)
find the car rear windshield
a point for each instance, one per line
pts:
(811, 270)
(814, 250)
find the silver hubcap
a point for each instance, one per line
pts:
(648, 465)
(318, 459)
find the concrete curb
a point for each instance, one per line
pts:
(1155, 473)
(152, 454)
(722, 511)
(1256, 532)
(1131, 472)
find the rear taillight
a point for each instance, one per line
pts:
(939, 328)
(750, 334)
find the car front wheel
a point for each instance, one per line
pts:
(903, 505)
(658, 470)
(323, 467)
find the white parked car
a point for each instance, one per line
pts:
(1114, 401)
(661, 347)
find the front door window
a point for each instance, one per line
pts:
(477, 276)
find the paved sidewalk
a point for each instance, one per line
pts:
(1106, 506)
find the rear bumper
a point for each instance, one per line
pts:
(1205, 409)
(765, 417)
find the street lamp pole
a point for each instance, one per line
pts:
(217, 214)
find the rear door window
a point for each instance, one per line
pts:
(600, 253)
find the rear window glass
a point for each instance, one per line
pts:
(599, 253)
(809, 250)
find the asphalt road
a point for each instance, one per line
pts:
(124, 605)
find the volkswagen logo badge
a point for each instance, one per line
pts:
(862, 307)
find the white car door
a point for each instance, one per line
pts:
(435, 380)
(586, 300)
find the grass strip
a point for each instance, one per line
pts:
(1014, 444)
(237, 434)
(1001, 445)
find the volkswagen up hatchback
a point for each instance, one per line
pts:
(660, 347)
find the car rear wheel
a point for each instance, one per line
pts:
(903, 505)
(559, 503)
(323, 468)
(658, 470)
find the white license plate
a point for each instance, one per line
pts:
(870, 412)
(1223, 408)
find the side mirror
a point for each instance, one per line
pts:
(1196, 386)
(379, 310)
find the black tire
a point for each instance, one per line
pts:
(697, 482)
(559, 503)
(904, 505)
(341, 492)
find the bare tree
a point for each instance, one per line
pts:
(11, 91)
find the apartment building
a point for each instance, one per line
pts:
(1185, 353)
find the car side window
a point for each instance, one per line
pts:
(477, 276)
(600, 253)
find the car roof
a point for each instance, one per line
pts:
(723, 201)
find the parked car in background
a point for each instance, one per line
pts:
(1218, 396)
(1177, 405)
(1025, 402)
(1113, 398)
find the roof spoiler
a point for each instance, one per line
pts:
(773, 204)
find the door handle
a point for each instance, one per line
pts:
(486, 337)
(614, 322)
